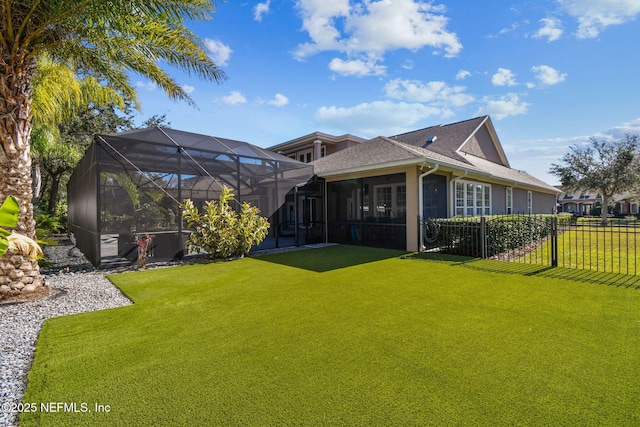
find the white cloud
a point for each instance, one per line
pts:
(357, 67)
(462, 74)
(149, 85)
(551, 29)
(436, 93)
(260, 10)
(505, 30)
(188, 89)
(631, 128)
(219, 52)
(377, 118)
(234, 98)
(279, 101)
(595, 15)
(546, 76)
(505, 106)
(372, 28)
(504, 77)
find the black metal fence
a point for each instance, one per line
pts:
(548, 240)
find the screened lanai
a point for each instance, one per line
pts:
(131, 184)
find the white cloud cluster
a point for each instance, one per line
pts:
(188, 89)
(219, 52)
(366, 30)
(408, 103)
(357, 67)
(279, 100)
(504, 77)
(462, 74)
(503, 106)
(371, 119)
(260, 10)
(234, 98)
(546, 76)
(551, 29)
(595, 15)
(437, 93)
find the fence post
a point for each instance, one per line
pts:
(554, 241)
(483, 237)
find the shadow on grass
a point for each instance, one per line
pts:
(331, 257)
(610, 279)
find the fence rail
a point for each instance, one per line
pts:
(549, 240)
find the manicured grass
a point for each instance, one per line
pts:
(608, 249)
(345, 336)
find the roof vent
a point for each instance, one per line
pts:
(429, 140)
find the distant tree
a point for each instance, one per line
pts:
(157, 120)
(610, 167)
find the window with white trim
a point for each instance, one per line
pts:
(529, 202)
(472, 199)
(509, 200)
(390, 200)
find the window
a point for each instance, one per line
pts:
(390, 200)
(323, 151)
(305, 156)
(634, 208)
(472, 199)
(509, 199)
(529, 202)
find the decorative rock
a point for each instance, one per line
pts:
(4, 289)
(29, 288)
(16, 274)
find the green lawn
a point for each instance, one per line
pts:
(345, 336)
(610, 249)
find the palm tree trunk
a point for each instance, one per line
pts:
(17, 272)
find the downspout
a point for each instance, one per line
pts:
(421, 199)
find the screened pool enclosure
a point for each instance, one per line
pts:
(130, 185)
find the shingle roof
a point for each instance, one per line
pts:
(407, 148)
(379, 152)
(449, 139)
(508, 174)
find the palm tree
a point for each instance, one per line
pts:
(62, 100)
(106, 40)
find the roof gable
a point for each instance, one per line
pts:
(475, 136)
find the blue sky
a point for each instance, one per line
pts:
(549, 73)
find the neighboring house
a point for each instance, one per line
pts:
(376, 191)
(315, 146)
(579, 202)
(583, 203)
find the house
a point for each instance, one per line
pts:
(316, 188)
(583, 203)
(377, 191)
(315, 145)
(579, 202)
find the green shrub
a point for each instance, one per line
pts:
(50, 224)
(463, 236)
(222, 232)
